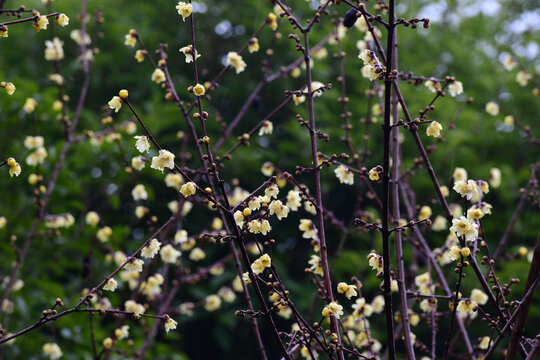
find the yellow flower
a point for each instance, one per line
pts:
(261, 263)
(425, 213)
(439, 224)
(184, 9)
(115, 103)
(465, 227)
(164, 160)
(316, 265)
(151, 250)
(170, 324)
(333, 309)
(131, 38)
(197, 254)
(139, 55)
(133, 307)
(111, 285)
(266, 128)
(40, 23)
(122, 332)
(10, 88)
(3, 31)
(434, 129)
(239, 218)
(466, 307)
(142, 143)
(56, 79)
(277, 207)
(492, 108)
(373, 174)
(92, 218)
(14, 167)
(37, 157)
(272, 21)
(137, 163)
(62, 19)
(188, 52)
(79, 37)
(523, 78)
(369, 71)
(309, 229)
(169, 254)
(188, 189)
(236, 61)
(348, 290)
(468, 189)
(158, 76)
(253, 45)
(104, 233)
(509, 62)
(212, 302)
(455, 88)
(375, 261)
(432, 86)
(298, 99)
(52, 350)
(479, 296)
(32, 142)
(54, 49)
(484, 343)
(344, 174)
(368, 57)
(455, 253)
(199, 90)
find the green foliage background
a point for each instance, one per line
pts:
(468, 47)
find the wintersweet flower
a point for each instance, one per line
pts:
(142, 144)
(188, 189)
(33, 142)
(465, 227)
(317, 88)
(92, 218)
(111, 285)
(332, 309)
(165, 159)
(468, 189)
(509, 63)
(174, 180)
(108, 343)
(348, 290)
(139, 55)
(197, 254)
(199, 90)
(253, 45)
(309, 229)
(495, 177)
(80, 38)
(484, 343)
(52, 350)
(115, 103)
(277, 207)
(151, 250)
(212, 302)
(316, 265)
(188, 52)
(466, 308)
(40, 23)
(131, 38)
(344, 174)
(361, 308)
(434, 129)
(10, 88)
(122, 332)
(37, 157)
(135, 265)
(370, 72)
(455, 88)
(368, 57)
(170, 324)
(62, 19)
(375, 261)
(139, 193)
(14, 167)
(158, 76)
(425, 213)
(492, 108)
(373, 174)
(432, 85)
(523, 78)
(169, 254)
(235, 60)
(184, 9)
(479, 297)
(266, 128)
(293, 200)
(298, 99)
(138, 163)
(3, 31)
(133, 307)
(261, 263)
(54, 49)
(378, 304)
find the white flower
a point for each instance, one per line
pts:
(344, 174)
(236, 61)
(169, 254)
(142, 143)
(164, 160)
(455, 88)
(150, 250)
(111, 285)
(188, 52)
(139, 193)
